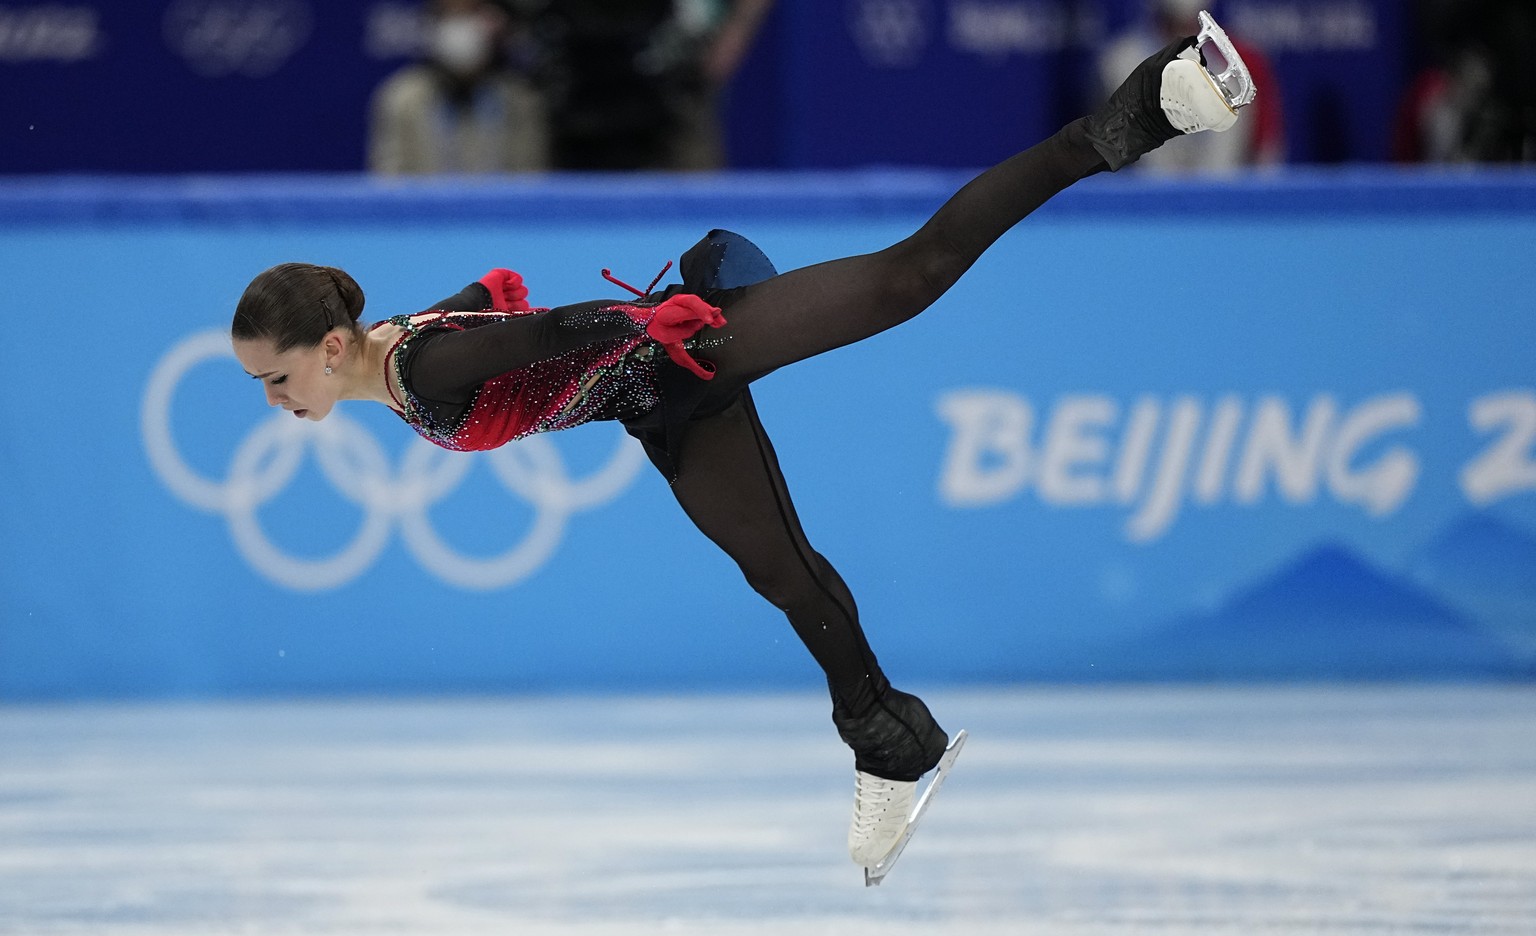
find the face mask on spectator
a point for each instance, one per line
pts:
(461, 43)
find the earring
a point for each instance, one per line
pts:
(327, 370)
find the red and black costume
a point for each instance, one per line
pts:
(475, 378)
(479, 373)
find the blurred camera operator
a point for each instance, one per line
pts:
(468, 105)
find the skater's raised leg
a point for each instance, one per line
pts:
(828, 305)
(813, 309)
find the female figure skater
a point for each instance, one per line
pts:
(482, 368)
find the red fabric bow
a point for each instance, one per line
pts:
(678, 319)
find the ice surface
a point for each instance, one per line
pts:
(1164, 811)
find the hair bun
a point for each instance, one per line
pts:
(351, 294)
(296, 304)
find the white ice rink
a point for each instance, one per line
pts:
(1164, 811)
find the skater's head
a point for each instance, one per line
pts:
(296, 328)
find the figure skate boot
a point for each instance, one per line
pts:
(894, 745)
(1192, 84)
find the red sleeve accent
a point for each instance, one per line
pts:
(508, 294)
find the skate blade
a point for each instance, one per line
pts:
(873, 876)
(1224, 66)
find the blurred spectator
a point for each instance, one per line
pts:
(636, 84)
(725, 37)
(464, 107)
(1475, 101)
(1258, 139)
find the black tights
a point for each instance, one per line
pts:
(728, 478)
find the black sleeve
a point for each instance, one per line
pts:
(448, 366)
(472, 298)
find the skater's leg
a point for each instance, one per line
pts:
(807, 311)
(729, 483)
(817, 308)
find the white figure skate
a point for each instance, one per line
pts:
(884, 817)
(1203, 88)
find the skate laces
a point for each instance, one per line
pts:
(876, 802)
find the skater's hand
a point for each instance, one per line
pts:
(508, 294)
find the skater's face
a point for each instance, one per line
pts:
(295, 379)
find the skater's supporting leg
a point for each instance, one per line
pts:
(730, 485)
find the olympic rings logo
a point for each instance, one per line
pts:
(354, 464)
(890, 33)
(254, 38)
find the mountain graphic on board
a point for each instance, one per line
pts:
(1329, 614)
(1486, 567)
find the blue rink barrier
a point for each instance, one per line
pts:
(854, 194)
(1280, 427)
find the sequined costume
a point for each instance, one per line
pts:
(474, 380)
(541, 370)
(609, 378)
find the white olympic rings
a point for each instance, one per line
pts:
(353, 462)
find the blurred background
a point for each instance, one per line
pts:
(1261, 407)
(528, 85)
